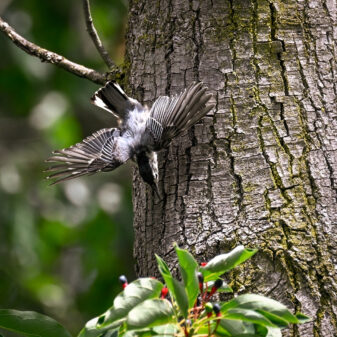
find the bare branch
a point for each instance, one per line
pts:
(94, 36)
(47, 56)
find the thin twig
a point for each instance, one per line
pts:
(94, 36)
(47, 56)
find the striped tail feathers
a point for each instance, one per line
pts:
(112, 98)
(93, 154)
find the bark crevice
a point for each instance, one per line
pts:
(262, 170)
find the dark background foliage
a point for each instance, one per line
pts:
(62, 248)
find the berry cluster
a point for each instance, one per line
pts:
(191, 306)
(202, 308)
(188, 308)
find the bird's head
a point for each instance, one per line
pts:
(148, 169)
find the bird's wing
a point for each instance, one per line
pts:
(112, 98)
(170, 116)
(94, 154)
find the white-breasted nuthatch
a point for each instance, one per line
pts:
(142, 133)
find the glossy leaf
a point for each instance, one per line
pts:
(237, 328)
(203, 330)
(135, 293)
(111, 333)
(275, 311)
(165, 330)
(273, 332)
(31, 323)
(302, 318)
(137, 333)
(225, 262)
(175, 287)
(277, 320)
(150, 313)
(267, 331)
(248, 316)
(188, 268)
(92, 328)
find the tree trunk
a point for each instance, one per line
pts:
(262, 170)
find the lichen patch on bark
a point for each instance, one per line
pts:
(261, 170)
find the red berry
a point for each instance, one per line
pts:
(203, 264)
(213, 290)
(164, 292)
(201, 282)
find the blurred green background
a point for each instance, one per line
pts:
(62, 247)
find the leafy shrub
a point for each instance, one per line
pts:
(147, 307)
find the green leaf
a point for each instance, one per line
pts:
(275, 311)
(31, 323)
(188, 267)
(135, 293)
(163, 267)
(237, 328)
(90, 329)
(111, 333)
(137, 333)
(166, 330)
(248, 315)
(150, 313)
(274, 332)
(302, 318)
(225, 262)
(203, 330)
(277, 320)
(264, 331)
(180, 296)
(221, 332)
(176, 289)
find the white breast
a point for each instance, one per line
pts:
(135, 126)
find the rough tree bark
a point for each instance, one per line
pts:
(262, 170)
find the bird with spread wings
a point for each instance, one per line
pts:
(142, 132)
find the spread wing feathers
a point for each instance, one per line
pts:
(93, 154)
(112, 98)
(170, 116)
